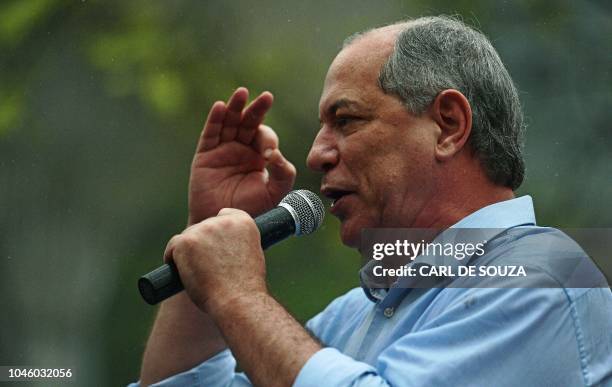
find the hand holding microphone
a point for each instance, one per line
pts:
(238, 164)
(214, 253)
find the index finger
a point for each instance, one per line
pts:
(253, 116)
(212, 129)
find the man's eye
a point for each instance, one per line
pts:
(344, 120)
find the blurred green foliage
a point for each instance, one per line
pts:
(101, 103)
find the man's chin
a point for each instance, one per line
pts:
(350, 236)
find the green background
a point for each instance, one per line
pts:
(101, 103)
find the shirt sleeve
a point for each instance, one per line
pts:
(326, 324)
(330, 367)
(218, 371)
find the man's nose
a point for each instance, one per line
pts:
(323, 154)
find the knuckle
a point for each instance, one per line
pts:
(188, 242)
(224, 222)
(246, 222)
(175, 238)
(224, 210)
(205, 226)
(241, 214)
(238, 219)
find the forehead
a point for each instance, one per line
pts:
(353, 75)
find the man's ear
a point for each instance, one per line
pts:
(453, 114)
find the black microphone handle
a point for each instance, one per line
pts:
(164, 282)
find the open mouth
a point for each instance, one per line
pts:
(335, 194)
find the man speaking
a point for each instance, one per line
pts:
(421, 127)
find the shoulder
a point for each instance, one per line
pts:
(539, 241)
(552, 257)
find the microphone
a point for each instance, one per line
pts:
(299, 213)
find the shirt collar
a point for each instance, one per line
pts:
(492, 219)
(504, 215)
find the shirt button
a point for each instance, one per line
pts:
(388, 312)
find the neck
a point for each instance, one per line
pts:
(466, 193)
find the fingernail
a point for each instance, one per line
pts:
(267, 153)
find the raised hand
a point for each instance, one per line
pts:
(237, 161)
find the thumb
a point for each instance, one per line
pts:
(281, 173)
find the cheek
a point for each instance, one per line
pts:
(404, 180)
(387, 162)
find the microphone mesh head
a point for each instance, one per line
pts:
(309, 210)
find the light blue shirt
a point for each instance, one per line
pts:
(545, 336)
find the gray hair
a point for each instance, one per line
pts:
(432, 54)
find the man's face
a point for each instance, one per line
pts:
(377, 158)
